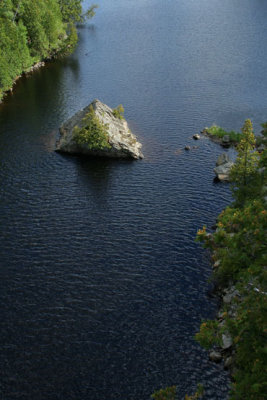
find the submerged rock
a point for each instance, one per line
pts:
(122, 143)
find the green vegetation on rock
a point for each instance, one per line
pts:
(244, 171)
(239, 253)
(34, 30)
(118, 112)
(170, 392)
(93, 133)
(219, 132)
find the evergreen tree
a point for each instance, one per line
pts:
(244, 170)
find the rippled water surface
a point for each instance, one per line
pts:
(102, 284)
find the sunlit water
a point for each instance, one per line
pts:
(102, 284)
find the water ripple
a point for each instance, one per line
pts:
(102, 283)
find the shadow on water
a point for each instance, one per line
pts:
(96, 173)
(38, 94)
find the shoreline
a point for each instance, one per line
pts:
(35, 67)
(237, 335)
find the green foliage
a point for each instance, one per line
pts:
(72, 11)
(238, 241)
(14, 53)
(249, 331)
(44, 26)
(264, 130)
(32, 30)
(169, 393)
(208, 334)
(71, 40)
(93, 133)
(198, 394)
(243, 172)
(118, 111)
(240, 244)
(217, 131)
(90, 13)
(239, 250)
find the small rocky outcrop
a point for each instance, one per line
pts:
(122, 142)
(226, 350)
(223, 167)
(226, 141)
(215, 356)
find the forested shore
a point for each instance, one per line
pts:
(35, 30)
(238, 246)
(238, 250)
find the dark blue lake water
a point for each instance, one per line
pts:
(102, 284)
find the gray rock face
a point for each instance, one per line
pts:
(226, 140)
(228, 362)
(123, 142)
(215, 356)
(227, 341)
(222, 159)
(230, 295)
(223, 167)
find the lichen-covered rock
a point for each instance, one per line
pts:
(122, 142)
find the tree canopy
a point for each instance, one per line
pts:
(32, 30)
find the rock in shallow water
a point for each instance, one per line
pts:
(215, 356)
(123, 144)
(223, 167)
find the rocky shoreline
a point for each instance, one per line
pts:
(224, 141)
(236, 337)
(223, 167)
(225, 352)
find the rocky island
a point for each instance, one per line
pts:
(98, 130)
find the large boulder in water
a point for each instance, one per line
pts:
(223, 167)
(121, 142)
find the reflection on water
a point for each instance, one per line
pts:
(102, 283)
